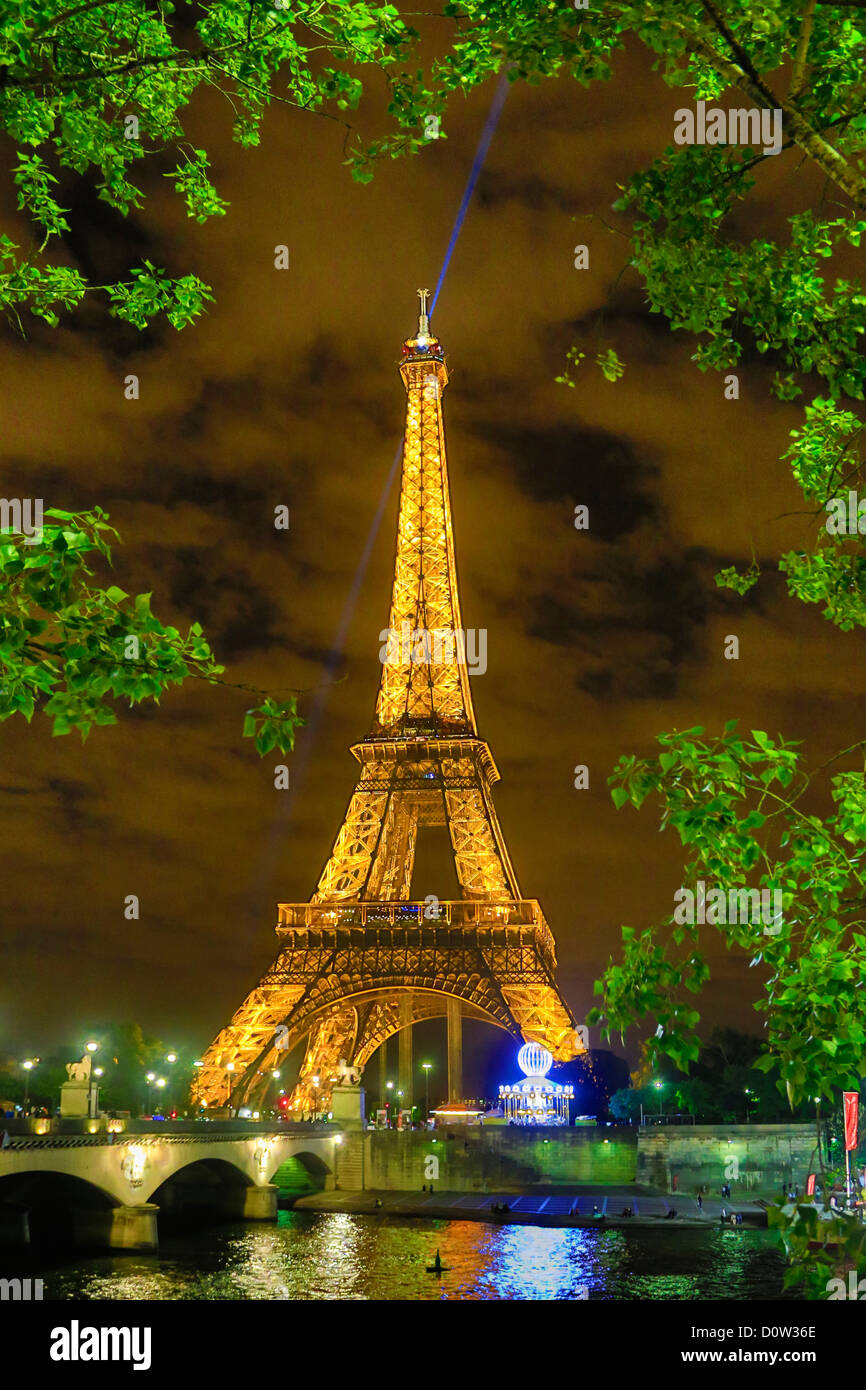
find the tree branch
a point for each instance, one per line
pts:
(798, 75)
(69, 14)
(742, 74)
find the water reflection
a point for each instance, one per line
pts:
(338, 1256)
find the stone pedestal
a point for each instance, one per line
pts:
(74, 1099)
(347, 1106)
(118, 1228)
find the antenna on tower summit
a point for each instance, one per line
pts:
(423, 321)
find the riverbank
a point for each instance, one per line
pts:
(589, 1206)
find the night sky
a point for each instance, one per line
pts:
(288, 392)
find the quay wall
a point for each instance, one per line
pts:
(477, 1158)
(752, 1158)
(472, 1158)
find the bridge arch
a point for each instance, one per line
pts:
(48, 1207)
(200, 1191)
(302, 1172)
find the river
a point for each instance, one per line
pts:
(312, 1255)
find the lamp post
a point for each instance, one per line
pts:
(389, 1086)
(425, 1066)
(230, 1066)
(153, 1080)
(97, 1071)
(171, 1058)
(198, 1064)
(28, 1065)
(658, 1085)
(91, 1047)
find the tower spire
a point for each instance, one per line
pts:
(425, 680)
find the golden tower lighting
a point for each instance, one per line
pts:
(359, 961)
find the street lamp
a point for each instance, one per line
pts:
(158, 1082)
(91, 1047)
(425, 1067)
(230, 1066)
(198, 1063)
(171, 1058)
(98, 1071)
(276, 1076)
(28, 1066)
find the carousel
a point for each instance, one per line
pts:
(535, 1100)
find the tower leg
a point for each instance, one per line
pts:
(455, 1048)
(383, 1075)
(404, 1043)
(331, 1038)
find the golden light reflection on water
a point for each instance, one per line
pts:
(337, 1256)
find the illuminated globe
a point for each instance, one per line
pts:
(535, 1100)
(534, 1060)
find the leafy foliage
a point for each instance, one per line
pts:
(102, 89)
(737, 806)
(820, 1252)
(72, 650)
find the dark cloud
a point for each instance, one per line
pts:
(104, 243)
(74, 804)
(532, 192)
(583, 466)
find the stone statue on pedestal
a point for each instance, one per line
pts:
(78, 1094)
(347, 1096)
(79, 1071)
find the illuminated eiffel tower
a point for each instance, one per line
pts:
(359, 962)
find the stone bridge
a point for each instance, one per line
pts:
(107, 1190)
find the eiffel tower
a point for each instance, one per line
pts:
(359, 962)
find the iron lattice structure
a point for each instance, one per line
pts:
(359, 961)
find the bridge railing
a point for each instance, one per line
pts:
(60, 1134)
